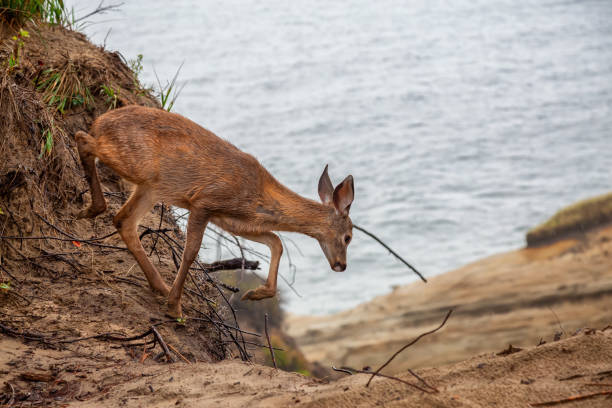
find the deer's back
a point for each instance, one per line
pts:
(178, 158)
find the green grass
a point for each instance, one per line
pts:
(15, 13)
(169, 93)
(110, 95)
(577, 217)
(64, 89)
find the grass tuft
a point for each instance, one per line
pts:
(63, 89)
(169, 92)
(577, 217)
(15, 13)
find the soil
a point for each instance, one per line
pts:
(578, 365)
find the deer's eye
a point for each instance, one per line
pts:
(347, 239)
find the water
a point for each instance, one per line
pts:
(464, 123)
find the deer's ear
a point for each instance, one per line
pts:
(344, 195)
(326, 188)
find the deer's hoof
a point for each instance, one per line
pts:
(174, 312)
(261, 292)
(90, 212)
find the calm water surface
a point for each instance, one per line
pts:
(463, 122)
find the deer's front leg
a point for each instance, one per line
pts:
(195, 230)
(276, 250)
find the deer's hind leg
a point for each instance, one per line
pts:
(87, 152)
(126, 222)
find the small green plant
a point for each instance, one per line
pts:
(15, 13)
(13, 60)
(63, 89)
(136, 66)
(110, 94)
(181, 320)
(169, 93)
(5, 285)
(47, 143)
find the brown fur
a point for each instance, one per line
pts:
(172, 159)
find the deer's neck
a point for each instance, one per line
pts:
(285, 210)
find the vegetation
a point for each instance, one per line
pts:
(169, 92)
(15, 13)
(110, 95)
(578, 217)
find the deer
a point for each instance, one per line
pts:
(171, 159)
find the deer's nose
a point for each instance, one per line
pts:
(339, 267)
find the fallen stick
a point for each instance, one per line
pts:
(390, 250)
(408, 345)
(268, 337)
(11, 400)
(415, 375)
(351, 370)
(163, 344)
(570, 399)
(178, 353)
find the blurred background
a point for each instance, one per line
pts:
(464, 123)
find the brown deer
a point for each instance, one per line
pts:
(172, 159)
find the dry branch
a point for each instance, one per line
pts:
(268, 338)
(570, 399)
(408, 345)
(351, 370)
(162, 344)
(390, 250)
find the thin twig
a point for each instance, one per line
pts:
(101, 9)
(268, 338)
(415, 375)
(390, 250)
(178, 353)
(9, 274)
(570, 399)
(342, 370)
(557, 319)
(161, 218)
(354, 370)
(11, 400)
(408, 345)
(162, 344)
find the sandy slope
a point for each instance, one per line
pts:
(507, 298)
(548, 372)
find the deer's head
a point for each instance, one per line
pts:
(335, 238)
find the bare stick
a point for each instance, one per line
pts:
(101, 9)
(161, 218)
(11, 401)
(268, 337)
(256, 344)
(390, 250)
(107, 336)
(408, 345)
(415, 375)
(9, 274)
(570, 399)
(342, 370)
(350, 370)
(163, 345)
(179, 353)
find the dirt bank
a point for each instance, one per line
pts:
(553, 371)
